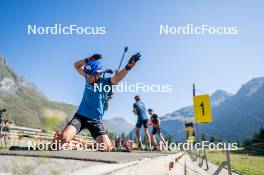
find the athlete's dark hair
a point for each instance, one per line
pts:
(137, 97)
(150, 110)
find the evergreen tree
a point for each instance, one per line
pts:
(123, 136)
(238, 143)
(111, 135)
(203, 137)
(212, 139)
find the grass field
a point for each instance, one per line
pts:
(249, 165)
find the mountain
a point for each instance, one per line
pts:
(241, 115)
(26, 104)
(219, 97)
(235, 117)
(118, 125)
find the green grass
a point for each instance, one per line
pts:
(249, 165)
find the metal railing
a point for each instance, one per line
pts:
(40, 133)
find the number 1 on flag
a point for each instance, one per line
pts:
(202, 109)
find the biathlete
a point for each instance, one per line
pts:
(140, 110)
(155, 123)
(91, 109)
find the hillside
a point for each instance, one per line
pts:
(241, 115)
(25, 103)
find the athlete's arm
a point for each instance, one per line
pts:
(131, 63)
(158, 121)
(119, 76)
(134, 111)
(79, 67)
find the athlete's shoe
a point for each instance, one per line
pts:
(139, 145)
(148, 147)
(155, 148)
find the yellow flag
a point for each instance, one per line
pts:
(202, 109)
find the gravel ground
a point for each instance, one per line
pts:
(17, 165)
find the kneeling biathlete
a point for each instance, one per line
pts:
(90, 112)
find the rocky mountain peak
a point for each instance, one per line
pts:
(219, 97)
(11, 82)
(251, 87)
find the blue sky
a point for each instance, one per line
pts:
(212, 62)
